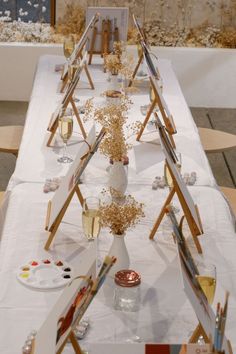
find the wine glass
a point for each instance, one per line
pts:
(168, 177)
(90, 218)
(207, 280)
(68, 47)
(65, 122)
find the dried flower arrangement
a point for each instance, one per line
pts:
(113, 117)
(119, 61)
(73, 20)
(120, 215)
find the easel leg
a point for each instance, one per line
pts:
(199, 331)
(52, 133)
(88, 74)
(75, 343)
(146, 120)
(135, 70)
(79, 195)
(92, 45)
(162, 214)
(78, 119)
(61, 215)
(64, 83)
(89, 77)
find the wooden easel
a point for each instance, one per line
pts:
(199, 331)
(106, 34)
(136, 69)
(72, 338)
(168, 119)
(65, 76)
(195, 231)
(56, 224)
(53, 128)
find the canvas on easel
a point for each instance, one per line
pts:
(190, 210)
(158, 100)
(141, 37)
(70, 184)
(77, 53)
(111, 27)
(65, 101)
(60, 325)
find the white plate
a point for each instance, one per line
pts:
(45, 274)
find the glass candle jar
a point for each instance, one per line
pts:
(127, 290)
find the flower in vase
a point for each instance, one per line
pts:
(120, 214)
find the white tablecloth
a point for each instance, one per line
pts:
(165, 314)
(36, 162)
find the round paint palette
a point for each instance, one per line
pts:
(45, 274)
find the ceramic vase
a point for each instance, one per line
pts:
(118, 249)
(118, 176)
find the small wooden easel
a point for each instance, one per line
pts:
(106, 34)
(167, 117)
(53, 125)
(194, 228)
(57, 221)
(71, 337)
(65, 76)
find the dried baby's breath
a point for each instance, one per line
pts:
(122, 215)
(113, 117)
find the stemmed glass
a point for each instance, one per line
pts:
(68, 47)
(207, 281)
(65, 123)
(91, 218)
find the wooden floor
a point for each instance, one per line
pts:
(223, 164)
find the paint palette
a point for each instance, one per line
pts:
(45, 274)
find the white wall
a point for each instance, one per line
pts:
(207, 76)
(18, 62)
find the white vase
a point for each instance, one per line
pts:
(118, 176)
(113, 83)
(118, 249)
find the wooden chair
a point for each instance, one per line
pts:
(230, 195)
(216, 140)
(1, 197)
(10, 138)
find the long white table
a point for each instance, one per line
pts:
(165, 314)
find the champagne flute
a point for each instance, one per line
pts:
(68, 47)
(168, 177)
(90, 218)
(65, 123)
(207, 280)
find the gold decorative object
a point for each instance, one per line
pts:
(121, 214)
(113, 117)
